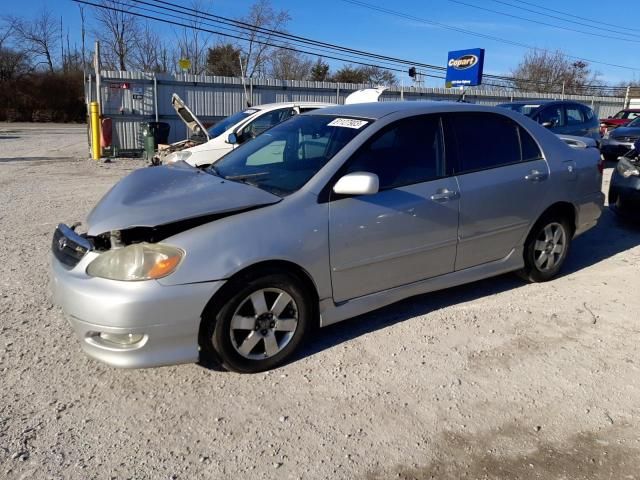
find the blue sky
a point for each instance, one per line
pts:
(339, 22)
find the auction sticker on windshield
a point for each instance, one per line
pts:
(347, 122)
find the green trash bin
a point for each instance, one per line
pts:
(153, 133)
(148, 141)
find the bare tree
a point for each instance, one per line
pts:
(7, 27)
(290, 65)
(118, 32)
(257, 48)
(39, 37)
(151, 54)
(547, 72)
(193, 42)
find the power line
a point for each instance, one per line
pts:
(470, 32)
(296, 38)
(284, 47)
(573, 15)
(288, 36)
(572, 20)
(538, 22)
(320, 51)
(260, 40)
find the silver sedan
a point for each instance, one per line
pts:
(324, 217)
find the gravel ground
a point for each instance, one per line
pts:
(493, 380)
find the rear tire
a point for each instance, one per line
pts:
(546, 249)
(259, 325)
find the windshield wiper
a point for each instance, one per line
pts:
(245, 176)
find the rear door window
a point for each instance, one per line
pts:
(485, 140)
(587, 113)
(574, 115)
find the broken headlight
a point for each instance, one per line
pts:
(626, 168)
(140, 261)
(174, 157)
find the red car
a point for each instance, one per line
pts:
(619, 119)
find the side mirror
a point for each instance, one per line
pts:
(357, 183)
(232, 139)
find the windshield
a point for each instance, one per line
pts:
(224, 124)
(523, 108)
(285, 157)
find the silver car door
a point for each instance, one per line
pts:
(408, 230)
(503, 180)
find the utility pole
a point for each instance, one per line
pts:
(627, 97)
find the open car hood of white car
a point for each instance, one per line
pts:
(187, 116)
(152, 197)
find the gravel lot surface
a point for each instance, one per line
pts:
(497, 379)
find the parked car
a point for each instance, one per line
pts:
(326, 216)
(214, 142)
(236, 129)
(624, 189)
(560, 116)
(619, 141)
(620, 119)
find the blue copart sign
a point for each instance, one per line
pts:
(464, 68)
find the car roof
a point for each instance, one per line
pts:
(540, 102)
(378, 110)
(273, 106)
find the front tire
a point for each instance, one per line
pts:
(546, 249)
(260, 324)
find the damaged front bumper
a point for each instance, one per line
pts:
(131, 324)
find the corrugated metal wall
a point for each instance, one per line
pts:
(212, 98)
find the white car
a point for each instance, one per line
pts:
(232, 131)
(236, 129)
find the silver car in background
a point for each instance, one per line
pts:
(324, 217)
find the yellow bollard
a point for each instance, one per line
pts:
(94, 112)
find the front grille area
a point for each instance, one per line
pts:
(68, 247)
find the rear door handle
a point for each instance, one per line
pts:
(444, 195)
(536, 176)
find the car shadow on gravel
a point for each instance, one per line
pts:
(333, 335)
(611, 236)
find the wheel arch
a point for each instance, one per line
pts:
(562, 209)
(262, 268)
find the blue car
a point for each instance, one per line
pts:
(560, 116)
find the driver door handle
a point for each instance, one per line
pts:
(536, 176)
(444, 195)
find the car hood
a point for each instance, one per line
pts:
(152, 197)
(186, 115)
(625, 132)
